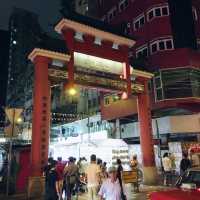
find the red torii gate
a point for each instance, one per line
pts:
(119, 80)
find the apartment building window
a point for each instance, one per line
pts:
(169, 44)
(128, 28)
(103, 18)
(194, 13)
(150, 15)
(139, 22)
(161, 45)
(158, 87)
(165, 11)
(123, 5)
(154, 47)
(158, 12)
(112, 13)
(142, 52)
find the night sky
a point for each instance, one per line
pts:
(48, 10)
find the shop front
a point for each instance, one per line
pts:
(97, 143)
(194, 154)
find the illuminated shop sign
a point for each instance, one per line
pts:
(98, 64)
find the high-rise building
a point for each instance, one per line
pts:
(83, 7)
(24, 34)
(4, 50)
(168, 37)
(79, 6)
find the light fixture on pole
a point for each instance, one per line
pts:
(70, 89)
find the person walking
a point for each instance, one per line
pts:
(60, 177)
(184, 164)
(119, 171)
(173, 160)
(167, 167)
(93, 178)
(71, 177)
(51, 190)
(82, 163)
(48, 166)
(104, 171)
(111, 188)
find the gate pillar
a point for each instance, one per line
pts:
(146, 137)
(40, 127)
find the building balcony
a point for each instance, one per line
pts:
(177, 88)
(174, 91)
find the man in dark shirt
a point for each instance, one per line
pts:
(51, 192)
(119, 171)
(185, 164)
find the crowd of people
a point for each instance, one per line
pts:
(169, 166)
(72, 177)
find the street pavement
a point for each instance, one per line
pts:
(131, 195)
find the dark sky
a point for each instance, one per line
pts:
(48, 10)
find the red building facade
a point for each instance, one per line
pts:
(167, 37)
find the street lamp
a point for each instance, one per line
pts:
(70, 89)
(19, 120)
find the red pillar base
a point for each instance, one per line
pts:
(36, 187)
(150, 175)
